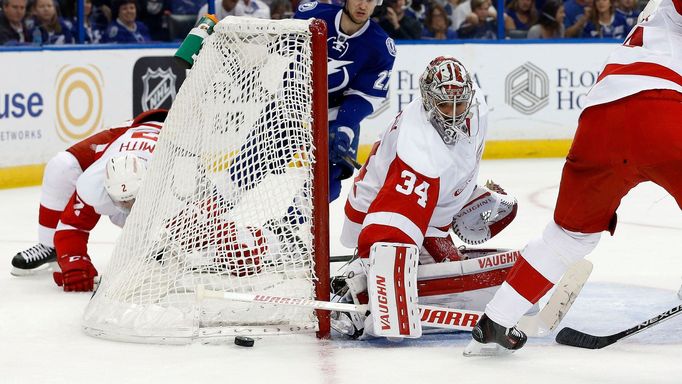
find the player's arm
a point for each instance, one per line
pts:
(71, 242)
(365, 93)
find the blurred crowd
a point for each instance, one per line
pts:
(44, 22)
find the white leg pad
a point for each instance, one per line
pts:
(392, 289)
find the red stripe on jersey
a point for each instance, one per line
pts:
(407, 193)
(48, 217)
(83, 218)
(399, 287)
(642, 69)
(678, 6)
(375, 233)
(353, 214)
(363, 169)
(527, 281)
(84, 150)
(450, 285)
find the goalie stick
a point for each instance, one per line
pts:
(575, 338)
(536, 325)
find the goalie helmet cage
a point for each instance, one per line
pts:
(235, 198)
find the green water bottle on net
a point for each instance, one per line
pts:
(192, 44)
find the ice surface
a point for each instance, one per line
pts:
(636, 275)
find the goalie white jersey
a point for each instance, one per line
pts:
(412, 183)
(650, 58)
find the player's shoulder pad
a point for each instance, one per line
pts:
(315, 7)
(419, 145)
(305, 7)
(382, 38)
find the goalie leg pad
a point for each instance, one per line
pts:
(392, 288)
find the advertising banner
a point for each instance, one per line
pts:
(534, 91)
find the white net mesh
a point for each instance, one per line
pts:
(227, 199)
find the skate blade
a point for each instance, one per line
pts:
(491, 349)
(28, 272)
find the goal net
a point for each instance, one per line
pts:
(235, 198)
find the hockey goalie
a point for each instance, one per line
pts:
(418, 183)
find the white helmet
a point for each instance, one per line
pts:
(446, 80)
(124, 175)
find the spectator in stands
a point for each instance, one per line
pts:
(437, 24)
(281, 9)
(186, 7)
(94, 32)
(101, 12)
(151, 14)
(463, 10)
(125, 29)
(630, 11)
(578, 13)
(521, 15)
(480, 24)
(49, 28)
(224, 8)
(450, 6)
(398, 24)
(550, 23)
(605, 22)
(256, 8)
(417, 9)
(13, 28)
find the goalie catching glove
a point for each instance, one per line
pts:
(487, 213)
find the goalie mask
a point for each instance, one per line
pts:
(124, 175)
(445, 84)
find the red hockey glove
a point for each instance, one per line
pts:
(78, 273)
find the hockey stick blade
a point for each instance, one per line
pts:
(574, 338)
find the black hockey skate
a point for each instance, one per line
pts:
(36, 258)
(492, 339)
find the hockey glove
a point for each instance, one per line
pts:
(77, 273)
(340, 144)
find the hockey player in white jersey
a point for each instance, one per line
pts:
(419, 180)
(628, 132)
(97, 176)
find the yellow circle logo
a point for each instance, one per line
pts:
(78, 102)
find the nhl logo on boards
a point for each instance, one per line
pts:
(156, 82)
(158, 86)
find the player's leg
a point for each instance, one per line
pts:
(59, 183)
(594, 180)
(661, 161)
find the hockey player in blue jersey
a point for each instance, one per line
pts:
(360, 59)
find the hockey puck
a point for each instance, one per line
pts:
(243, 341)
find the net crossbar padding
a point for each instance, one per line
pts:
(235, 197)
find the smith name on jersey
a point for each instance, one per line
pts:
(359, 64)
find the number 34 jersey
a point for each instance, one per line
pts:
(412, 184)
